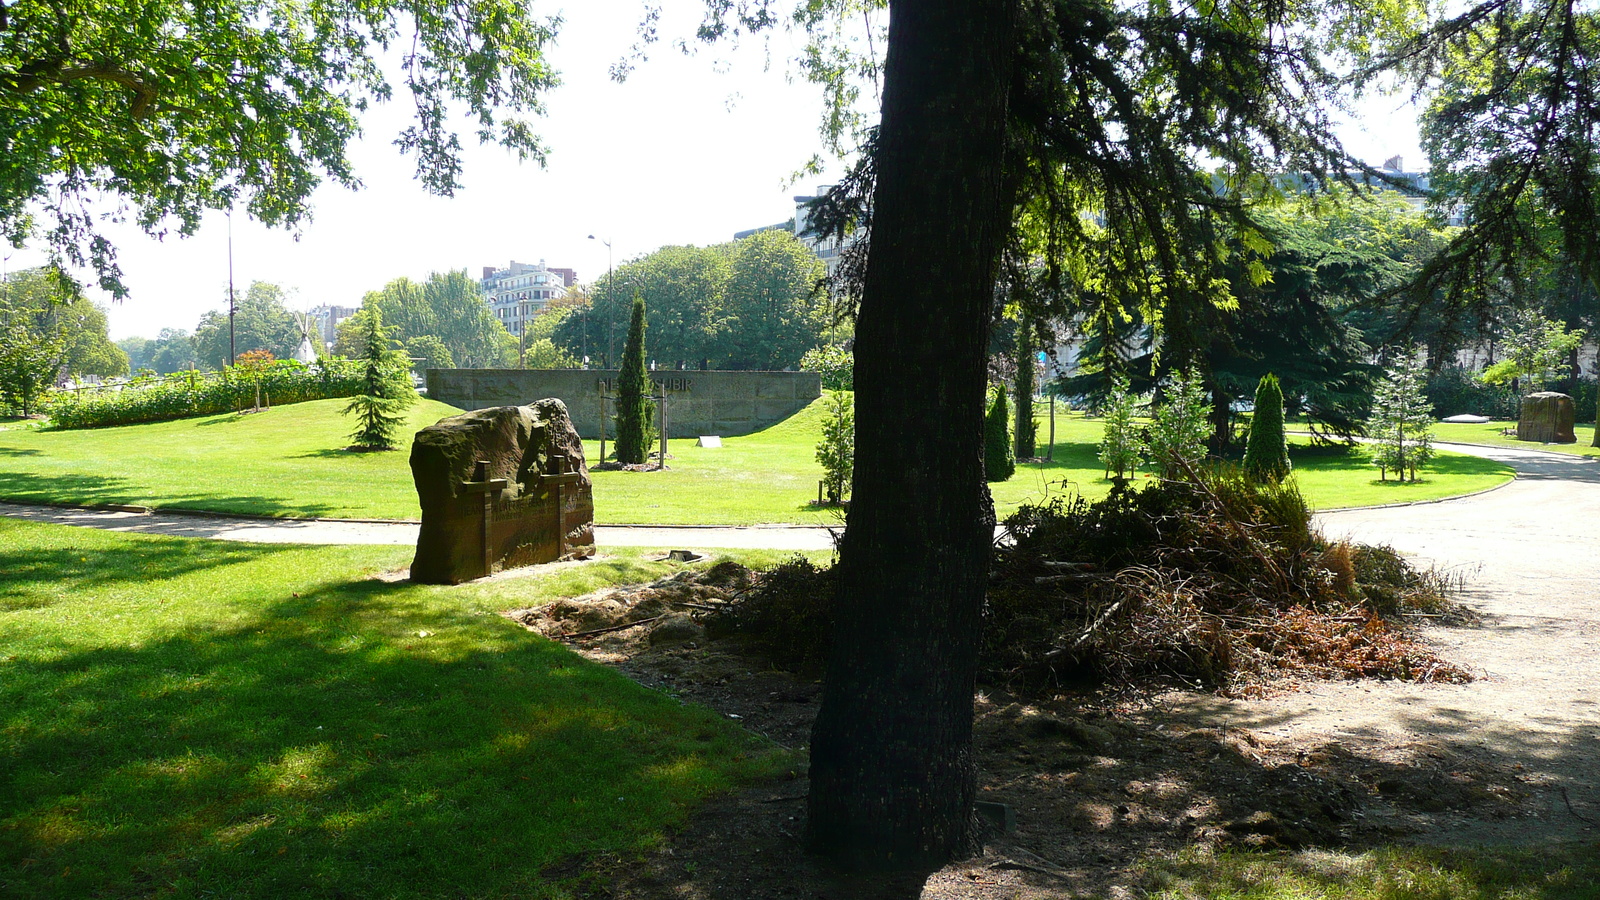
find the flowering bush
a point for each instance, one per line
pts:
(182, 395)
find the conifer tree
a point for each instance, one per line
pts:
(999, 463)
(1026, 429)
(386, 389)
(1120, 444)
(1266, 454)
(1402, 421)
(633, 390)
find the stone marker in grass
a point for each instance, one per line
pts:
(500, 488)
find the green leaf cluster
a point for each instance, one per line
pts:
(175, 108)
(835, 364)
(448, 308)
(1536, 351)
(749, 304)
(49, 331)
(1121, 446)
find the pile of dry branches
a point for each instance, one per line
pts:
(1212, 580)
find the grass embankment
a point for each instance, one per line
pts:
(290, 462)
(195, 718)
(1560, 872)
(1489, 434)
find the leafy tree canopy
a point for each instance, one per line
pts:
(261, 322)
(175, 108)
(49, 331)
(448, 306)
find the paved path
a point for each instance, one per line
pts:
(334, 531)
(1529, 558)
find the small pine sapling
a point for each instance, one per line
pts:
(1179, 427)
(1401, 425)
(386, 388)
(1121, 447)
(1266, 454)
(998, 461)
(837, 449)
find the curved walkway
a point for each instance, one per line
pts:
(340, 531)
(1528, 559)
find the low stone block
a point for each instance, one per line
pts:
(1547, 417)
(500, 488)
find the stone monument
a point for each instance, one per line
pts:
(1547, 417)
(500, 488)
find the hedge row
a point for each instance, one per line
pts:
(185, 394)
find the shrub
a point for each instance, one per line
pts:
(999, 463)
(183, 395)
(1266, 454)
(1027, 430)
(837, 449)
(835, 364)
(789, 609)
(1453, 391)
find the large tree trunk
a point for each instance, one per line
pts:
(891, 754)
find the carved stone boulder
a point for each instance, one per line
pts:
(500, 488)
(1547, 417)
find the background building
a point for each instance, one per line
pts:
(521, 291)
(325, 321)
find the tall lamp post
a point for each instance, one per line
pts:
(610, 285)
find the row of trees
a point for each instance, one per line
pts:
(747, 304)
(48, 332)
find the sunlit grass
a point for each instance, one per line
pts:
(1489, 433)
(290, 462)
(196, 718)
(1557, 872)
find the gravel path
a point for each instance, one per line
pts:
(343, 531)
(1529, 557)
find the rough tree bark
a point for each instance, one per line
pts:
(892, 781)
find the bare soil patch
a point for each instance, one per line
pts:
(1097, 779)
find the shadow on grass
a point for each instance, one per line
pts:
(94, 490)
(20, 451)
(354, 741)
(38, 577)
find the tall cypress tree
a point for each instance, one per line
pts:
(1026, 429)
(998, 463)
(1266, 455)
(633, 413)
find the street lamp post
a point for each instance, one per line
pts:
(609, 286)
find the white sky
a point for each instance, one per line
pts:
(687, 151)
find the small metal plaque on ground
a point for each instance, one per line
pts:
(709, 440)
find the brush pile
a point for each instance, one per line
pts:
(1212, 580)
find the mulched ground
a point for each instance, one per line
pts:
(1097, 780)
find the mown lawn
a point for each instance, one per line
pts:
(1549, 872)
(184, 718)
(1490, 434)
(290, 462)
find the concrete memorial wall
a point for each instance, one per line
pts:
(720, 403)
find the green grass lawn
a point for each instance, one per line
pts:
(183, 718)
(290, 462)
(1490, 434)
(1553, 872)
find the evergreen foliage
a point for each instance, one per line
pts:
(1179, 426)
(1121, 447)
(386, 390)
(1266, 454)
(1027, 430)
(837, 449)
(999, 462)
(1401, 425)
(633, 391)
